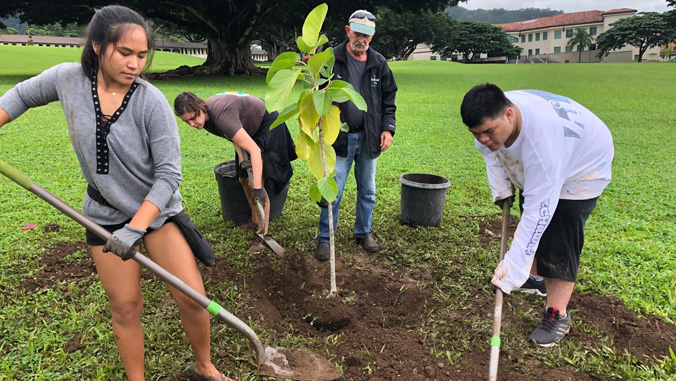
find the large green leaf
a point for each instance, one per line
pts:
(328, 188)
(337, 96)
(308, 114)
(302, 46)
(354, 97)
(331, 125)
(279, 89)
(322, 101)
(315, 193)
(338, 84)
(285, 115)
(303, 146)
(347, 89)
(315, 160)
(283, 61)
(316, 62)
(322, 40)
(313, 24)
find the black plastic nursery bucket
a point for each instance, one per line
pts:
(422, 199)
(234, 205)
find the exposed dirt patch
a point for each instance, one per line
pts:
(56, 268)
(51, 228)
(491, 230)
(372, 326)
(73, 345)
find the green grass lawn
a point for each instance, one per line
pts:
(629, 252)
(30, 60)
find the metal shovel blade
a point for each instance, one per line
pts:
(270, 243)
(296, 364)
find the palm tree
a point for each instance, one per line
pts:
(582, 39)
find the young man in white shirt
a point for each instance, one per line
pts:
(559, 155)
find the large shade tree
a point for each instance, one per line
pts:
(471, 38)
(643, 31)
(403, 31)
(581, 39)
(229, 26)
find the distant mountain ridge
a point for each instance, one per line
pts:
(499, 15)
(14, 22)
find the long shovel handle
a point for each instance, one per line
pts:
(211, 306)
(497, 314)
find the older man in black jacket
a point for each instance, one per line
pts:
(370, 133)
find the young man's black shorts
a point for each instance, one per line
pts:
(558, 254)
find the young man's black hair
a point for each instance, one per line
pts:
(481, 102)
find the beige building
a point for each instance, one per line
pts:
(546, 39)
(193, 49)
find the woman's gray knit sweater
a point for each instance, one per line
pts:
(144, 155)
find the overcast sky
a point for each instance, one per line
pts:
(570, 5)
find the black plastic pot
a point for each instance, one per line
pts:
(422, 199)
(234, 205)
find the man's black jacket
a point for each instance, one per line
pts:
(378, 89)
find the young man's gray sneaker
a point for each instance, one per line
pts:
(533, 286)
(323, 251)
(552, 328)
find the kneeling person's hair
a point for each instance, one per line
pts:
(481, 102)
(187, 102)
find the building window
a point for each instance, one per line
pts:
(569, 33)
(592, 31)
(636, 57)
(544, 36)
(513, 39)
(530, 52)
(537, 52)
(557, 34)
(530, 37)
(569, 49)
(523, 38)
(557, 49)
(537, 36)
(593, 47)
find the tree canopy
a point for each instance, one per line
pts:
(229, 26)
(471, 38)
(403, 31)
(643, 31)
(581, 39)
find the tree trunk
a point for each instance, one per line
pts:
(224, 58)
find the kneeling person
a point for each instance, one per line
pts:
(559, 155)
(243, 120)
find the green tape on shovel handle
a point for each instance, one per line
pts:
(15, 175)
(214, 308)
(495, 341)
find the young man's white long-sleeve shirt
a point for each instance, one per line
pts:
(563, 151)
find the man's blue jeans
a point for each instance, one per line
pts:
(365, 175)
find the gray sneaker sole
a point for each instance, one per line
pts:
(549, 345)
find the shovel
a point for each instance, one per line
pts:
(266, 239)
(497, 314)
(279, 362)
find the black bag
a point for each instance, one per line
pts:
(199, 245)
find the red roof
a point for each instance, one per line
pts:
(563, 19)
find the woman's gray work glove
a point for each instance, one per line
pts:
(123, 242)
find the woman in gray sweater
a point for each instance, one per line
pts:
(126, 141)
